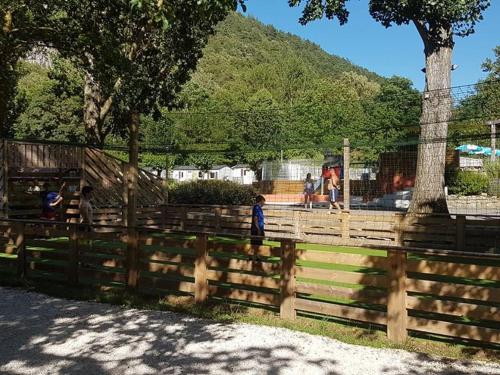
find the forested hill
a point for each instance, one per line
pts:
(255, 91)
(246, 56)
(242, 42)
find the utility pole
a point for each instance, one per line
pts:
(493, 125)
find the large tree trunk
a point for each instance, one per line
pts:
(133, 166)
(8, 81)
(132, 184)
(4, 110)
(91, 112)
(96, 109)
(429, 196)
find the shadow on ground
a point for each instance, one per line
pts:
(47, 335)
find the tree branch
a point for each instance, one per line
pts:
(422, 30)
(109, 102)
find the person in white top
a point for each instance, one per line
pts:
(308, 191)
(86, 210)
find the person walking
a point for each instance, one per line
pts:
(308, 191)
(86, 210)
(333, 189)
(257, 227)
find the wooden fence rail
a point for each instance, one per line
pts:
(399, 290)
(474, 234)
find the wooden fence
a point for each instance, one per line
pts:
(24, 166)
(398, 290)
(354, 228)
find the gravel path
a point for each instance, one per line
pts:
(44, 335)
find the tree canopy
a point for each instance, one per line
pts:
(436, 22)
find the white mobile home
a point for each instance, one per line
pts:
(243, 174)
(188, 173)
(185, 173)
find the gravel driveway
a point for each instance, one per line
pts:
(44, 335)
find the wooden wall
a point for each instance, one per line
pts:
(24, 164)
(401, 291)
(364, 228)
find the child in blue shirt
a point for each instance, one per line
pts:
(257, 228)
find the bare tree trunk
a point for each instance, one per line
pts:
(132, 181)
(4, 104)
(429, 196)
(133, 167)
(97, 107)
(8, 81)
(92, 108)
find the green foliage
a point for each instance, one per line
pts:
(492, 67)
(212, 192)
(492, 169)
(468, 183)
(462, 16)
(256, 91)
(472, 112)
(23, 24)
(50, 109)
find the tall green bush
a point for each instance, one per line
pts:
(468, 183)
(492, 169)
(212, 192)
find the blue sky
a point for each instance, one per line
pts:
(394, 51)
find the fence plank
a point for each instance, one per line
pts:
(21, 251)
(471, 271)
(261, 268)
(243, 278)
(287, 280)
(378, 297)
(454, 329)
(73, 256)
(246, 249)
(454, 308)
(343, 258)
(200, 271)
(479, 293)
(460, 239)
(244, 295)
(162, 284)
(342, 311)
(342, 276)
(396, 300)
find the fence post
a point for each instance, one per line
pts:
(345, 225)
(83, 168)
(217, 214)
(21, 252)
(460, 238)
(5, 187)
(396, 303)
(183, 218)
(124, 194)
(163, 219)
(73, 255)
(347, 174)
(200, 269)
(399, 229)
(132, 257)
(287, 281)
(296, 224)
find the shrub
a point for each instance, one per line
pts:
(212, 192)
(492, 169)
(468, 183)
